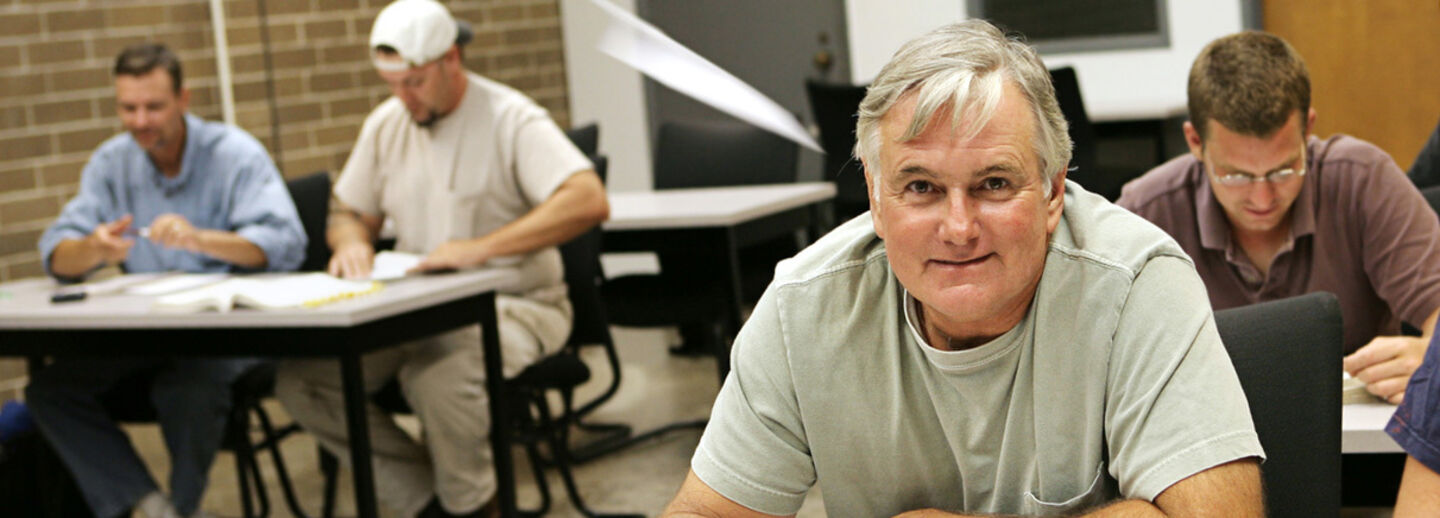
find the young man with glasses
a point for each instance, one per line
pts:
(1268, 211)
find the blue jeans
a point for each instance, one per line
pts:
(192, 402)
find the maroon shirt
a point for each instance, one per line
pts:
(1359, 229)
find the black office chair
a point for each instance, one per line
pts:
(586, 137)
(834, 106)
(687, 292)
(1425, 171)
(1287, 354)
(1082, 134)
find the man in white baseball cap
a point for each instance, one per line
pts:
(473, 174)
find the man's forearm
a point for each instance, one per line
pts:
(345, 228)
(231, 248)
(577, 206)
(1117, 509)
(74, 257)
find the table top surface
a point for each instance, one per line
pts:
(25, 304)
(709, 206)
(1362, 428)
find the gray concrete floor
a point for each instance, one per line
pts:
(657, 389)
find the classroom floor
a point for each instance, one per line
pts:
(657, 389)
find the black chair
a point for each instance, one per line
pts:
(834, 106)
(686, 292)
(586, 137)
(1287, 354)
(1083, 158)
(1425, 171)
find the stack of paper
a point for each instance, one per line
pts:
(269, 292)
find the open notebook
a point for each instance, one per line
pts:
(267, 292)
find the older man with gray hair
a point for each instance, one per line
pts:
(991, 339)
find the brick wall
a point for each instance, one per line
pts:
(57, 98)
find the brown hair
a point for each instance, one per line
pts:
(1250, 82)
(141, 58)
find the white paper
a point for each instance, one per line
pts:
(390, 265)
(645, 48)
(176, 283)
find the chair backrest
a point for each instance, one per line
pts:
(586, 137)
(1432, 196)
(712, 154)
(312, 200)
(1288, 356)
(1082, 133)
(583, 276)
(834, 106)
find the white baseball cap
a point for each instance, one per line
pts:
(419, 30)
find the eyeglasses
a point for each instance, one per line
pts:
(1274, 177)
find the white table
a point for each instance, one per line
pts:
(1362, 429)
(31, 326)
(718, 220)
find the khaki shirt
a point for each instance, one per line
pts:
(482, 166)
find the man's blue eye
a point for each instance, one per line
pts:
(994, 184)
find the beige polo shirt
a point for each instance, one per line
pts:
(487, 163)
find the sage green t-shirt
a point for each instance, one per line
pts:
(1115, 384)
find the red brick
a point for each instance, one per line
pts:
(12, 117)
(298, 58)
(295, 139)
(326, 29)
(14, 180)
(507, 14)
(18, 85)
(336, 135)
(134, 16)
(332, 82)
(274, 7)
(64, 173)
(307, 165)
(189, 13)
(304, 112)
(18, 241)
(80, 79)
(83, 140)
(25, 147)
(9, 56)
(29, 209)
(63, 111)
(80, 20)
(109, 47)
(345, 107)
(19, 24)
(24, 270)
(347, 53)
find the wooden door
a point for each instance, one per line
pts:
(1374, 66)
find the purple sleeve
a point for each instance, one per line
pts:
(1416, 423)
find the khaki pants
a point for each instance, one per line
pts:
(443, 379)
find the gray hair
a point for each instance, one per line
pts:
(964, 66)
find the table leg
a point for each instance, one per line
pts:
(499, 407)
(354, 385)
(735, 310)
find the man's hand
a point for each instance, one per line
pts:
(453, 255)
(109, 242)
(352, 260)
(174, 231)
(1386, 363)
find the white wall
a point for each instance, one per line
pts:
(1117, 85)
(606, 91)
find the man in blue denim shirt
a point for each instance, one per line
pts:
(1416, 427)
(173, 193)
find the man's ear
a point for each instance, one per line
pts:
(1192, 139)
(870, 195)
(1055, 205)
(1310, 123)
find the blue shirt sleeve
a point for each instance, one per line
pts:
(264, 214)
(93, 205)
(1416, 423)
